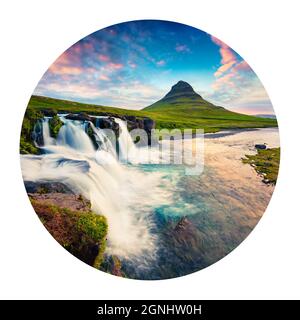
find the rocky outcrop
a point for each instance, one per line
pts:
(54, 125)
(146, 124)
(107, 123)
(261, 146)
(37, 133)
(80, 116)
(182, 225)
(69, 219)
(49, 113)
(63, 200)
(29, 130)
(46, 187)
(113, 265)
(82, 233)
(132, 122)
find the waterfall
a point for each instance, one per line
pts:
(104, 142)
(125, 195)
(72, 134)
(128, 151)
(48, 140)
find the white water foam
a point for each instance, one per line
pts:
(125, 195)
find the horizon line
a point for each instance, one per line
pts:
(126, 108)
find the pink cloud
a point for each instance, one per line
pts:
(242, 66)
(228, 58)
(68, 63)
(161, 63)
(235, 84)
(115, 66)
(182, 48)
(104, 58)
(223, 68)
(227, 80)
(217, 41)
(227, 55)
(74, 90)
(65, 70)
(88, 46)
(104, 77)
(77, 48)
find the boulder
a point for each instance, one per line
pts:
(63, 200)
(149, 124)
(49, 113)
(261, 146)
(109, 123)
(130, 118)
(79, 117)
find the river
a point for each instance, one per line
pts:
(162, 222)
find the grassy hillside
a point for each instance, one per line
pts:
(179, 114)
(185, 108)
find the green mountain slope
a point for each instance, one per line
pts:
(182, 107)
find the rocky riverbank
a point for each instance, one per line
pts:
(69, 219)
(265, 163)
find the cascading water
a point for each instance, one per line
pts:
(128, 150)
(72, 134)
(115, 190)
(103, 141)
(48, 140)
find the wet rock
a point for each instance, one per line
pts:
(37, 133)
(79, 117)
(149, 124)
(46, 187)
(182, 225)
(109, 123)
(131, 125)
(131, 118)
(54, 126)
(63, 200)
(49, 113)
(113, 265)
(261, 146)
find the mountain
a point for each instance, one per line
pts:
(182, 93)
(182, 107)
(181, 89)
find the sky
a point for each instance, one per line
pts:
(133, 64)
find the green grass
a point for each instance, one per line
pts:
(187, 112)
(180, 114)
(266, 163)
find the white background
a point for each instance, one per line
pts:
(34, 33)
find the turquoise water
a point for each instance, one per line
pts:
(210, 214)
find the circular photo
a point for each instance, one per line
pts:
(149, 150)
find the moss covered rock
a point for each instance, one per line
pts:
(27, 145)
(54, 125)
(82, 233)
